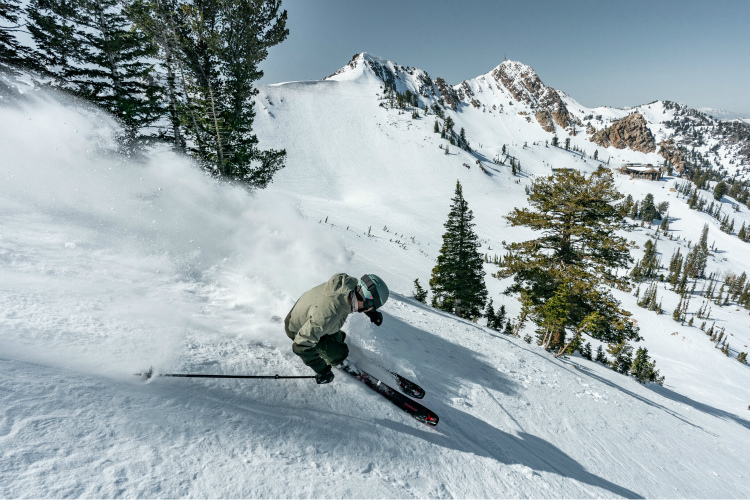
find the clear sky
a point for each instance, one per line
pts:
(613, 53)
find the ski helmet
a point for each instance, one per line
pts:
(373, 290)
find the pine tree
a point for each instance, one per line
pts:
(222, 44)
(89, 48)
(154, 18)
(12, 53)
(490, 315)
(635, 212)
(500, 317)
(573, 257)
(720, 190)
(648, 209)
(644, 369)
(623, 356)
(697, 258)
(600, 357)
(649, 265)
(457, 281)
(419, 293)
(586, 351)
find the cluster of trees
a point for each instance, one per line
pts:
(447, 132)
(684, 274)
(190, 64)
(401, 100)
(691, 192)
(561, 276)
(646, 210)
(515, 163)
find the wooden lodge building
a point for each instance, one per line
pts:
(642, 171)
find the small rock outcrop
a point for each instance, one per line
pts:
(447, 93)
(630, 132)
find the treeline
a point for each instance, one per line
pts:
(180, 71)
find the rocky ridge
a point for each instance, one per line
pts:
(681, 131)
(630, 132)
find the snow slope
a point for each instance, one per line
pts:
(111, 264)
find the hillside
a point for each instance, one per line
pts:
(114, 263)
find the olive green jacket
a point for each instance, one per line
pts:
(320, 311)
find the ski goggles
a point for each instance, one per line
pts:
(369, 292)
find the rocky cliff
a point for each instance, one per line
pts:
(629, 132)
(525, 86)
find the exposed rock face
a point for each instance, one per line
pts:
(673, 155)
(466, 94)
(525, 86)
(545, 120)
(447, 93)
(629, 132)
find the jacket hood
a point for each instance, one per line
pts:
(340, 284)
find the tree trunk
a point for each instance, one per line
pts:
(219, 149)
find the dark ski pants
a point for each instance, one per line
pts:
(330, 350)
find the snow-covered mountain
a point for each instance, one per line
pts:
(515, 88)
(110, 264)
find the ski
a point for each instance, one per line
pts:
(407, 386)
(416, 410)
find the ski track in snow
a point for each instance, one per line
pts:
(109, 265)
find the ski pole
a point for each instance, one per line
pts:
(148, 374)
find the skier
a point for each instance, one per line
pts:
(315, 321)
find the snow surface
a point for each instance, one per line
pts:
(110, 264)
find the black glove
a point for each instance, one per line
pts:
(375, 316)
(324, 377)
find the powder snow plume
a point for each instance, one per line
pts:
(101, 266)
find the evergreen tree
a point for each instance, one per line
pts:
(89, 48)
(648, 209)
(154, 18)
(622, 353)
(499, 317)
(419, 293)
(490, 315)
(555, 141)
(573, 258)
(600, 357)
(635, 212)
(436, 128)
(222, 44)
(697, 258)
(586, 351)
(12, 53)
(643, 369)
(720, 190)
(567, 143)
(457, 281)
(675, 268)
(648, 267)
